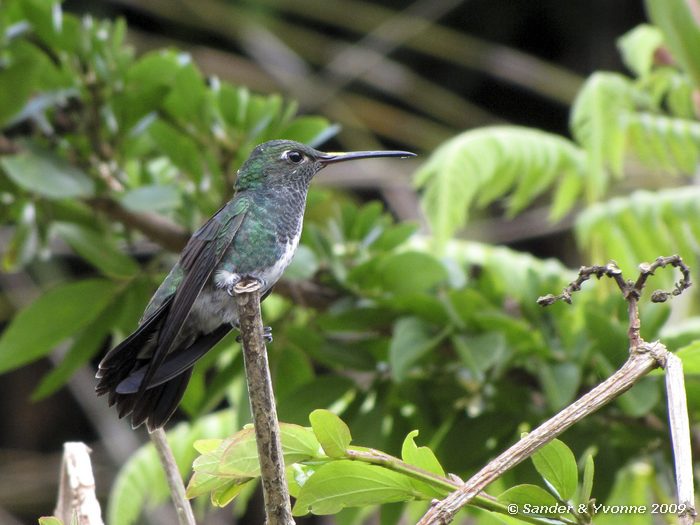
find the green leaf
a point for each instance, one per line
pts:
(303, 266)
(344, 483)
(421, 457)
(638, 46)
(530, 495)
(681, 33)
(97, 249)
(53, 317)
(410, 272)
(482, 165)
(641, 398)
(331, 432)
(560, 382)
(690, 355)
(411, 340)
(587, 483)
(240, 454)
(152, 198)
(309, 130)
(556, 464)
(18, 80)
(84, 347)
(598, 124)
(41, 171)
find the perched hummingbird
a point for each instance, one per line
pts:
(254, 235)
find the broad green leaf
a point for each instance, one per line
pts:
(309, 130)
(410, 272)
(412, 339)
(41, 171)
(530, 495)
(484, 164)
(86, 344)
(18, 79)
(638, 46)
(97, 249)
(556, 464)
(344, 483)
(587, 482)
(56, 315)
(421, 457)
(641, 398)
(152, 198)
(690, 355)
(331, 432)
(240, 455)
(140, 482)
(303, 266)
(560, 382)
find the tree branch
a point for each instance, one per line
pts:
(643, 358)
(185, 516)
(167, 234)
(262, 405)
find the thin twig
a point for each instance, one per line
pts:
(278, 509)
(185, 516)
(76, 490)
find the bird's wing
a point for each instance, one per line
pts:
(199, 258)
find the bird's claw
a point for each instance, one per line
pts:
(267, 335)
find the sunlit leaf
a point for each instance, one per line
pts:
(331, 432)
(344, 483)
(556, 464)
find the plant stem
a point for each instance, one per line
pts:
(486, 502)
(278, 510)
(185, 516)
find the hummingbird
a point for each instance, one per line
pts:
(252, 236)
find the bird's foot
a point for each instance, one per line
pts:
(267, 334)
(245, 285)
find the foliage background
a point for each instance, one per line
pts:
(393, 75)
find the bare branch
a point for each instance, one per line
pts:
(167, 234)
(185, 516)
(262, 405)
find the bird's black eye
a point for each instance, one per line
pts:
(294, 156)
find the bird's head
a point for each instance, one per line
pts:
(285, 162)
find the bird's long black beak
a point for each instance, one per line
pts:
(329, 158)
